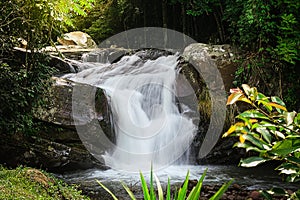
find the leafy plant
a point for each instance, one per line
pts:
(268, 129)
(180, 194)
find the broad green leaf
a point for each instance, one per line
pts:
(252, 161)
(249, 147)
(265, 133)
(278, 101)
(233, 98)
(284, 147)
(107, 190)
(252, 114)
(221, 191)
(128, 191)
(262, 97)
(257, 142)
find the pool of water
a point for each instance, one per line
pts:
(251, 178)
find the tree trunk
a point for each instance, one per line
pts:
(164, 21)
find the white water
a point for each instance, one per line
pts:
(149, 127)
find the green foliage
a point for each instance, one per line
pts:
(28, 183)
(268, 129)
(266, 26)
(180, 194)
(24, 76)
(107, 17)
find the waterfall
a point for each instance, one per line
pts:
(151, 126)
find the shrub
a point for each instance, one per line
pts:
(268, 129)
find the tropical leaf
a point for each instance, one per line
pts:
(234, 97)
(252, 114)
(252, 161)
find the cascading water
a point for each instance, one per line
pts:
(151, 126)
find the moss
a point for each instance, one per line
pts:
(29, 183)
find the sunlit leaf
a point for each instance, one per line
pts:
(265, 133)
(279, 134)
(242, 139)
(246, 88)
(275, 105)
(289, 117)
(252, 114)
(278, 101)
(252, 161)
(233, 98)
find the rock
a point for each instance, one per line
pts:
(77, 38)
(254, 195)
(45, 152)
(57, 108)
(222, 55)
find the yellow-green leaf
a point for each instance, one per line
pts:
(275, 105)
(233, 98)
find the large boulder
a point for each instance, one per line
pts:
(77, 38)
(222, 55)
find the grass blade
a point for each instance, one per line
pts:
(159, 189)
(145, 187)
(107, 190)
(196, 191)
(152, 194)
(183, 189)
(128, 191)
(221, 191)
(169, 190)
